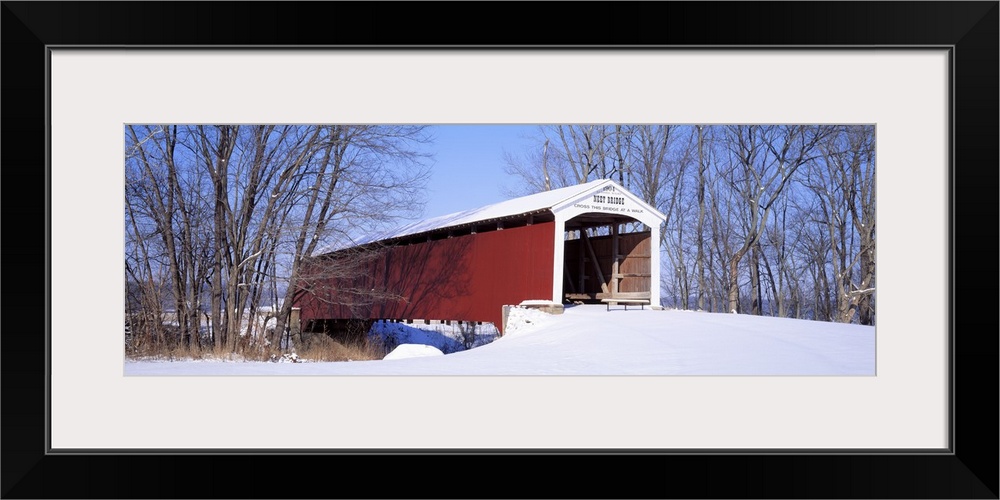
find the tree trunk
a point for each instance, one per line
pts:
(734, 283)
(700, 230)
(756, 305)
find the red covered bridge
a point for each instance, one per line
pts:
(585, 243)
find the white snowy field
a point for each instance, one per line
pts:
(589, 340)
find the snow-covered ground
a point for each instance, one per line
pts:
(589, 340)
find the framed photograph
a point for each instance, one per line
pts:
(924, 74)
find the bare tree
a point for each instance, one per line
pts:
(764, 159)
(703, 160)
(362, 173)
(584, 150)
(536, 169)
(658, 177)
(777, 258)
(842, 180)
(229, 211)
(169, 201)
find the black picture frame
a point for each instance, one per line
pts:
(970, 470)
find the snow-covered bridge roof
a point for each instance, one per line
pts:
(518, 207)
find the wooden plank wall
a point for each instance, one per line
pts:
(634, 270)
(636, 267)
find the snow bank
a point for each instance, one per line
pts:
(590, 340)
(521, 320)
(538, 303)
(413, 351)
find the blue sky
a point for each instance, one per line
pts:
(468, 166)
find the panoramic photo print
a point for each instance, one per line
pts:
(565, 249)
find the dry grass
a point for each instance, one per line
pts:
(323, 348)
(319, 347)
(179, 351)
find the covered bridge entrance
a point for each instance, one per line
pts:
(603, 261)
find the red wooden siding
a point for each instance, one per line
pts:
(467, 278)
